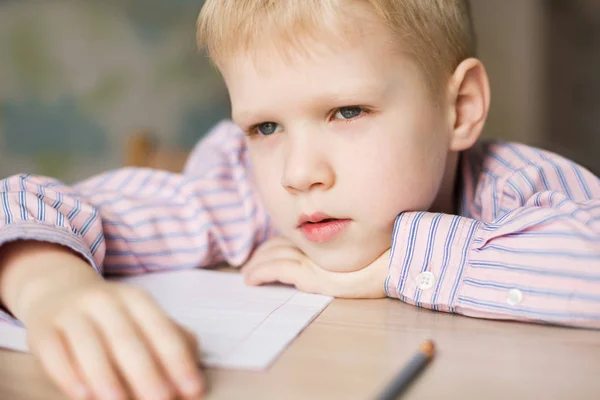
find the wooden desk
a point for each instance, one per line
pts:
(355, 346)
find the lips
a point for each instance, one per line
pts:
(320, 227)
(313, 218)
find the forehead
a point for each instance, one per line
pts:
(314, 61)
(342, 64)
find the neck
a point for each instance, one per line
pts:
(447, 198)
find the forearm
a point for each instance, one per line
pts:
(132, 220)
(31, 271)
(542, 273)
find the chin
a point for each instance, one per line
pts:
(343, 260)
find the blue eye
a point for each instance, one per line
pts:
(268, 128)
(348, 112)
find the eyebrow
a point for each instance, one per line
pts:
(352, 93)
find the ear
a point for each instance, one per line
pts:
(469, 92)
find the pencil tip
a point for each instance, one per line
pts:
(428, 348)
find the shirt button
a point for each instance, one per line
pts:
(425, 280)
(515, 296)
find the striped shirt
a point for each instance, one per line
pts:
(525, 245)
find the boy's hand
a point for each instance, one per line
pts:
(107, 340)
(278, 260)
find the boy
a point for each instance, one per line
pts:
(352, 170)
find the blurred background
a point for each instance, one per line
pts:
(78, 78)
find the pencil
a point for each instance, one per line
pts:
(410, 371)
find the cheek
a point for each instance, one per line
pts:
(265, 177)
(394, 178)
(266, 173)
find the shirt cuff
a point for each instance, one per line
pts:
(429, 257)
(31, 230)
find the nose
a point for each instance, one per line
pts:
(307, 165)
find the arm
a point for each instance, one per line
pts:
(526, 256)
(136, 220)
(75, 320)
(30, 271)
(537, 261)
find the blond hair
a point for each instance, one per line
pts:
(437, 33)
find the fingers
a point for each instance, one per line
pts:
(277, 248)
(175, 347)
(270, 245)
(190, 338)
(131, 353)
(89, 353)
(278, 260)
(249, 269)
(57, 363)
(112, 341)
(290, 272)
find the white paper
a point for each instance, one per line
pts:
(238, 326)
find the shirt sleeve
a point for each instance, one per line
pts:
(537, 257)
(134, 220)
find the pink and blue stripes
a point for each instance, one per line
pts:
(529, 221)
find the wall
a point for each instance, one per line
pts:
(78, 77)
(511, 46)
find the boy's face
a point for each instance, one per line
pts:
(342, 140)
